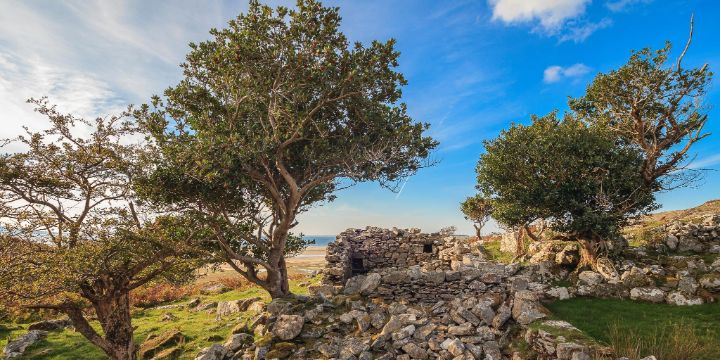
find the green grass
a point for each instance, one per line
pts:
(492, 249)
(636, 328)
(197, 327)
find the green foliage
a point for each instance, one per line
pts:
(74, 234)
(563, 170)
(276, 112)
(653, 106)
(478, 210)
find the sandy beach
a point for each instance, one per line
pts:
(312, 259)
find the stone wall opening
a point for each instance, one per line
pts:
(357, 266)
(428, 248)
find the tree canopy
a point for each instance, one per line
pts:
(478, 210)
(275, 113)
(575, 175)
(655, 107)
(78, 235)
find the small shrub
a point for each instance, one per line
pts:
(155, 294)
(235, 282)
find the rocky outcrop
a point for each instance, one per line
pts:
(17, 347)
(225, 308)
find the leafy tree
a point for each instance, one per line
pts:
(653, 106)
(276, 112)
(74, 235)
(575, 175)
(478, 210)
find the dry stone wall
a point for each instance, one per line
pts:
(358, 251)
(702, 237)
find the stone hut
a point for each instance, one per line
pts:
(358, 251)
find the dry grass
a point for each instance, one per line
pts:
(156, 294)
(677, 341)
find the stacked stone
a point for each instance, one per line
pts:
(379, 248)
(416, 286)
(702, 237)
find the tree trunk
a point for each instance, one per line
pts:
(477, 232)
(279, 286)
(114, 315)
(588, 256)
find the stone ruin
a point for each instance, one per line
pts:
(359, 251)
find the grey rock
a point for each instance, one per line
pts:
(214, 352)
(17, 347)
(288, 327)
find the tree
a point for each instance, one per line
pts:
(78, 236)
(478, 210)
(275, 113)
(575, 175)
(655, 107)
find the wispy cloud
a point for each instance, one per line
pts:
(706, 162)
(578, 33)
(556, 73)
(621, 5)
(72, 91)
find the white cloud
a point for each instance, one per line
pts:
(579, 33)
(551, 14)
(620, 5)
(72, 91)
(556, 73)
(705, 163)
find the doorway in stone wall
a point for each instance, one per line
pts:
(357, 266)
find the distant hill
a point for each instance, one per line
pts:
(687, 215)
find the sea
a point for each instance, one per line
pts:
(320, 240)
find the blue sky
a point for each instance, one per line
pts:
(473, 67)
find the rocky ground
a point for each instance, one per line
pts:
(473, 309)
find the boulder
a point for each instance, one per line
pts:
(154, 344)
(278, 307)
(323, 291)
(238, 341)
(651, 294)
(288, 327)
(454, 346)
(414, 351)
(492, 351)
(682, 299)
(371, 282)
(710, 281)
(606, 269)
(687, 283)
(214, 352)
(17, 347)
(353, 284)
(672, 242)
(635, 277)
(225, 308)
(569, 255)
(50, 325)
(526, 307)
(590, 277)
(560, 293)
(571, 351)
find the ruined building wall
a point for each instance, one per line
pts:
(356, 251)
